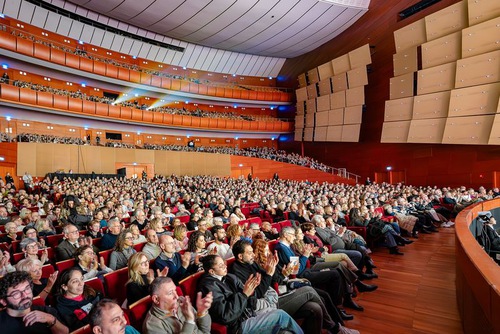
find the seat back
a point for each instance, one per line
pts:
(66, 264)
(138, 311)
(189, 286)
(115, 284)
(54, 240)
(105, 255)
(47, 270)
(96, 284)
(83, 330)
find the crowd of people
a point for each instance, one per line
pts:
(142, 106)
(80, 51)
(39, 138)
(190, 224)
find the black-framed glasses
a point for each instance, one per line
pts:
(18, 293)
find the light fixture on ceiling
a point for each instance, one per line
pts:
(358, 4)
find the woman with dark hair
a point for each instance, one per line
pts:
(197, 247)
(123, 250)
(87, 262)
(74, 299)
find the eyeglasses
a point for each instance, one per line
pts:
(73, 232)
(18, 293)
(89, 253)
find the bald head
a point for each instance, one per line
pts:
(167, 244)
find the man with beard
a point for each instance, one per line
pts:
(20, 316)
(223, 249)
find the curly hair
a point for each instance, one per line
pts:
(259, 249)
(13, 279)
(193, 239)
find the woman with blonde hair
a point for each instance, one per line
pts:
(138, 237)
(157, 225)
(180, 237)
(140, 277)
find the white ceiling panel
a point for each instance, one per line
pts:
(97, 37)
(87, 33)
(52, 22)
(222, 61)
(2, 4)
(193, 57)
(206, 58)
(117, 43)
(136, 46)
(76, 30)
(107, 40)
(126, 45)
(26, 12)
(161, 55)
(153, 52)
(11, 8)
(240, 58)
(143, 52)
(39, 17)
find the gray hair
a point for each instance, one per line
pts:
(66, 228)
(27, 241)
(28, 264)
(157, 283)
(287, 229)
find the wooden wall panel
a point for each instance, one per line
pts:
(312, 91)
(405, 61)
(337, 100)
(302, 80)
(325, 87)
(355, 96)
(301, 107)
(411, 35)
(341, 64)
(443, 50)
(352, 115)
(42, 51)
(476, 100)
(44, 99)
(298, 134)
(311, 106)
(446, 21)
(27, 95)
(308, 134)
(399, 109)
(322, 119)
(75, 104)
(334, 133)
(471, 130)
(357, 77)
(360, 57)
(320, 133)
(299, 121)
(481, 38)
(323, 103)
(426, 131)
(350, 133)
(336, 117)
(61, 102)
(301, 94)
(309, 120)
(313, 76)
(478, 70)
(481, 11)
(401, 86)
(431, 105)
(495, 129)
(86, 65)
(436, 79)
(395, 132)
(325, 71)
(26, 154)
(339, 82)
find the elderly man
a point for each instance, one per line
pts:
(178, 265)
(151, 249)
(139, 219)
(66, 249)
(107, 317)
(20, 316)
(172, 314)
(109, 239)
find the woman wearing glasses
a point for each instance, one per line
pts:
(140, 277)
(88, 263)
(124, 249)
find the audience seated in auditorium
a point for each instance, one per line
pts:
(66, 248)
(124, 249)
(107, 317)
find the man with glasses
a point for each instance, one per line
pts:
(203, 228)
(223, 249)
(109, 239)
(173, 314)
(20, 316)
(66, 249)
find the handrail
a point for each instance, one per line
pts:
(478, 276)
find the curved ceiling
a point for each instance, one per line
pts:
(276, 28)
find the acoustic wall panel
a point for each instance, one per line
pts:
(395, 132)
(339, 82)
(398, 110)
(426, 131)
(322, 118)
(472, 130)
(309, 120)
(436, 79)
(334, 133)
(353, 115)
(484, 10)
(320, 133)
(355, 96)
(401, 86)
(308, 134)
(302, 80)
(299, 122)
(298, 135)
(410, 35)
(476, 100)
(360, 57)
(323, 103)
(312, 91)
(337, 100)
(478, 70)
(350, 133)
(336, 117)
(312, 76)
(357, 77)
(433, 105)
(481, 38)
(325, 87)
(301, 94)
(405, 61)
(446, 21)
(443, 50)
(341, 64)
(495, 129)
(301, 107)
(325, 71)
(310, 106)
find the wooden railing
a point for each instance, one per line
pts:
(65, 103)
(478, 276)
(56, 56)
